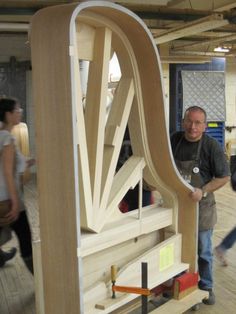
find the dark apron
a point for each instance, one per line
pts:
(190, 171)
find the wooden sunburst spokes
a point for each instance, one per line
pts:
(100, 131)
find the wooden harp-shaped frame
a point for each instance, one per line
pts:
(77, 152)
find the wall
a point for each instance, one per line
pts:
(230, 94)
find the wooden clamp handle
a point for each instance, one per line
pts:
(136, 290)
(113, 273)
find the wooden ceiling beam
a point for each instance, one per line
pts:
(14, 27)
(15, 18)
(32, 3)
(197, 53)
(200, 25)
(214, 6)
(137, 2)
(214, 34)
(185, 59)
(156, 31)
(223, 5)
(206, 42)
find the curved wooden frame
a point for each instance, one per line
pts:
(77, 151)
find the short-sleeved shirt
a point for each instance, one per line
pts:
(213, 161)
(6, 138)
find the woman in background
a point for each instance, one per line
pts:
(12, 164)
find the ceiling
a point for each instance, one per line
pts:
(184, 30)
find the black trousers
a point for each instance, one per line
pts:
(132, 198)
(22, 230)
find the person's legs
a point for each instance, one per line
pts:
(7, 256)
(132, 198)
(205, 261)
(22, 229)
(5, 236)
(229, 240)
(226, 244)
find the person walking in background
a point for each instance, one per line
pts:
(202, 163)
(7, 256)
(229, 240)
(12, 164)
(226, 244)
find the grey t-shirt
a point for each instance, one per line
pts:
(6, 138)
(213, 162)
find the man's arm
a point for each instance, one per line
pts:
(215, 184)
(220, 170)
(211, 186)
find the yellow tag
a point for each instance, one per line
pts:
(213, 125)
(166, 256)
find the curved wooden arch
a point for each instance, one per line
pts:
(77, 152)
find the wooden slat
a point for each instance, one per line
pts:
(118, 116)
(127, 177)
(86, 208)
(85, 41)
(95, 109)
(177, 307)
(127, 227)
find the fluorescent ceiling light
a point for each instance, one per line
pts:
(221, 49)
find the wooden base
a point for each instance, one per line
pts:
(180, 306)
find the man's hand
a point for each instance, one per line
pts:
(196, 195)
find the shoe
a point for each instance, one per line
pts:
(220, 255)
(6, 256)
(211, 299)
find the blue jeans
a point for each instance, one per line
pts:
(205, 259)
(229, 240)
